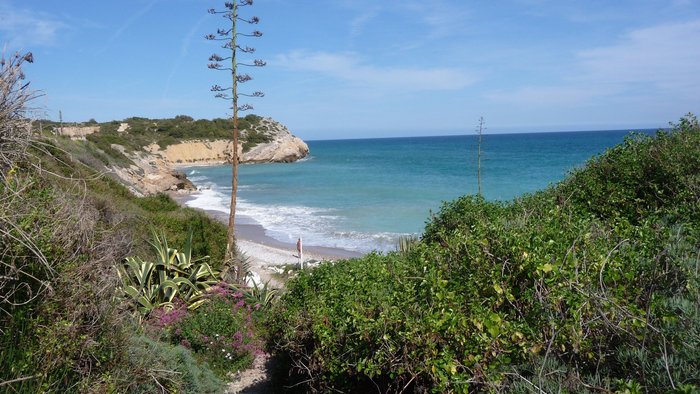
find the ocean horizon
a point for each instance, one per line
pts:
(364, 194)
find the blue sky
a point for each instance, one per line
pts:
(370, 68)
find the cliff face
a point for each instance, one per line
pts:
(283, 146)
(280, 146)
(153, 170)
(151, 175)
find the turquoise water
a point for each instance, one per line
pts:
(363, 194)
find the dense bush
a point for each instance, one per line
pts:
(221, 331)
(156, 366)
(59, 327)
(63, 230)
(253, 138)
(104, 143)
(590, 285)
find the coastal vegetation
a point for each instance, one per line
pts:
(141, 132)
(65, 230)
(591, 285)
(100, 290)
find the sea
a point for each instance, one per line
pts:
(361, 195)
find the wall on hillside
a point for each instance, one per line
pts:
(76, 132)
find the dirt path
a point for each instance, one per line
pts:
(255, 380)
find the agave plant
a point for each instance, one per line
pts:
(261, 293)
(174, 274)
(180, 264)
(146, 284)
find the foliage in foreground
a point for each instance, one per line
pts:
(222, 331)
(591, 285)
(63, 230)
(151, 285)
(157, 367)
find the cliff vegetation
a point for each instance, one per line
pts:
(143, 153)
(142, 132)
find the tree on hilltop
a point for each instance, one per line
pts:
(228, 36)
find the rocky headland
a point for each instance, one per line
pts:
(153, 168)
(282, 147)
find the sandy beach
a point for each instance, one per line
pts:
(266, 252)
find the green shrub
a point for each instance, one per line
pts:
(104, 143)
(160, 202)
(60, 240)
(221, 331)
(590, 285)
(642, 177)
(208, 235)
(164, 132)
(254, 137)
(154, 366)
(59, 323)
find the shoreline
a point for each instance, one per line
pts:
(264, 251)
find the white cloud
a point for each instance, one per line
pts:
(549, 95)
(350, 67)
(435, 19)
(23, 29)
(658, 60)
(665, 56)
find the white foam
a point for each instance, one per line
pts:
(209, 198)
(196, 179)
(317, 226)
(286, 223)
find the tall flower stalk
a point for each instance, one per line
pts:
(229, 38)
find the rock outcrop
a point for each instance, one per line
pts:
(282, 147)
(76, 132)
(153, 170)
(151, 175)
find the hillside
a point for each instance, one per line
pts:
(64, 228)
(145, 153)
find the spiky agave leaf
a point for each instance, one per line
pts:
(164, 254)
(153, 285)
